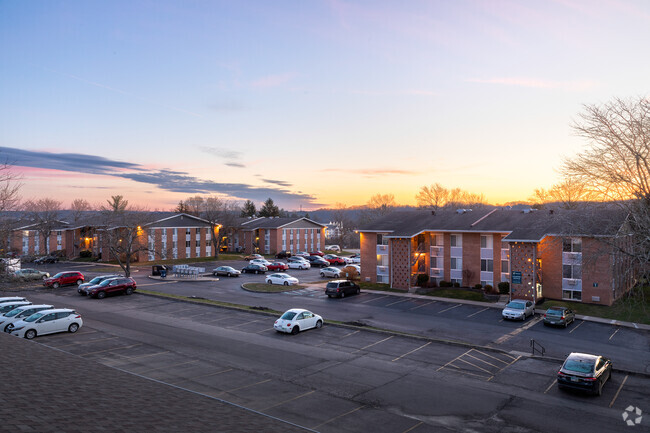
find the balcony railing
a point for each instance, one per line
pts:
(436, 251)
(382, 270)
(436, 272)
(571, 284)
(382, 249)
(569, 258)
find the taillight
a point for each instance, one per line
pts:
(562, 318)
(561, 374)
(589, 378)
(544, 315)
(77, 317)
(288, 325)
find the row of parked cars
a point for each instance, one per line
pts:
(99, 287)
(21, 318)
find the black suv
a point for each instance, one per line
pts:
(283, 255)
(254, 268)
(341, 288)
(317, 261)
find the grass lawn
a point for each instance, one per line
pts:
(635, 308)
(378, 286)
(456, 294)
(270, 288)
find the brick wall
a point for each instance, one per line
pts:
(471, 259)
(368, 242)
(400, 266)
(550, 251)
(596, 272)
(522, 259)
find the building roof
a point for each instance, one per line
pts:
(275, 223)
(526, 225)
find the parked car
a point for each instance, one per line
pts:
(341, 288)
(518, 309)
(584, 372)
(20, 313)
(296, 259)
(317, 253)
(64, 279)
(354, 258)
(282, 279)
(263, 262)
(112, 286)
(46, 259)
(81, 289)
(253, 268)
(334, 259)
(31, 274)
(283, 255)
(278, 266)
(561, 316)
(352, 271)
(317, 261)
(302, 254)
(253, 257)
(12, 299)
(47, 322)
(228, 271)
(5, 307)
(299, 265)
(333, 248)
(330, 272)
(295, 320)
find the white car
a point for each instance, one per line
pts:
(299, 265)
(518, 309)
(333, 248)
(20, 313)
(330, 272)
(295, 320)
(6, 307)
(47, 322)
(262, 262)
(12, 299)
(282, 279)
(354, 259)
(302, 254)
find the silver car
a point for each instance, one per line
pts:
(330, 272)
(518, 309)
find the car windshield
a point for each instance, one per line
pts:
(13, 312)
(34, 317)
(59, 275)
(579, 366)
(554, 312)
(288, 315)
(515, 305)
(95, 280)
(105, 282)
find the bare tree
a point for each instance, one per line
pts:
(45, 214)
(615, 166)
(222, 216)
(78, 207)
(378, 206)
(432, 197)
(194, 205)
(346, 224)
(570, 193)
(9, 200)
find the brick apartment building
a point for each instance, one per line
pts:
(271, 235)
(555, 254)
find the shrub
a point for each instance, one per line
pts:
(444, 283)
(504, 287)
(85, 254)
(422, 279)
(432, 283)
(479, 286)
(491, 289)
(456, 284)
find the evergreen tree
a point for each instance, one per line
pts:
(269, 209)
(249, 209)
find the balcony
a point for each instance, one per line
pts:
(436, 272)
(456, 252)
(487, 253)
(382, 270)
(571, 284)
(505, 254)
(436, 251)
(382, 250)
(571, 258)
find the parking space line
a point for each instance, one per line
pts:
(246, 386)
(351, 333)
(217, 320)
(287, 401)
(476, 366)
(502, 319)
(374, 299)
(265, 330)
(246, 323)
(144, 356)
(619, 390)
(440, 368)
(450, 308)
(339, 416)
(370, 345)
(497, 359)
(111, 349)
(550, 386)
(474, 314)
(169, 366)
(415, 426)
(420, 306)
(414, 350)
(511, 334)
(611, 336)
(397, 302)
(576, 327)
(79, 343)
(182, 379)
(469, 372)
(482, 360)
(157, 284)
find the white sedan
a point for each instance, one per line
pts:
(295, 320)
(47, 322)
(262, 262)
(354, 259)
(330, 272)
(282, 279)
(299, 265)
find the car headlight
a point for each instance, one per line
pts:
(16, 329)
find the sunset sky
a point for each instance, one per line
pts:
(307, 102)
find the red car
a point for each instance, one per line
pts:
(64, 279)
(112, 286)
(334, 259)
(278, 266)
(317, 253)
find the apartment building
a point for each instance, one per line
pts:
(555, 254)
(271, 235)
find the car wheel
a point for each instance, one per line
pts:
(101, 295)
(43, 277)
(329, 296)
(566, 324)
(74, 327)
(295, 330)
(79, 282)
(322, 274)
(257, 272)
(268, 282)
(128, 291)
(30, 334)
(358, 290)
(229, 275)
(286, 283)
(6, 328)
(56, 285)
(342, 294)
(214, 274)
(319, 324)
(599, 389)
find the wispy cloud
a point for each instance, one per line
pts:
(231, 156)
(165, 179)
(272, 80)
(374, 172)
(577, 86)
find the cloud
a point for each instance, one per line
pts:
(165, 179)
(374, 172)
(278, 182)
(536, 83)
(232, 156)
(235, 164)
(272, 80)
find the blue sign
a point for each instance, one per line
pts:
(516, 277)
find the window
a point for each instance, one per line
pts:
(434, 262)
(453, 240)
(572, 245)
(456, 263)
(486, 241)
(504, 266)
(487, 265)
(572, 271)
(380, 239)
(187, 244)
(457, 281)
(187, 231)
(574, 295)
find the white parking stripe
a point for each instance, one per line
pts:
(414, 350)
(397, 302)
(450, 308)
(420, 306)
(619, 390)
(474, 314)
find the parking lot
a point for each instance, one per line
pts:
(350, 371)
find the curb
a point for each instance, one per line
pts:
(202, 279)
